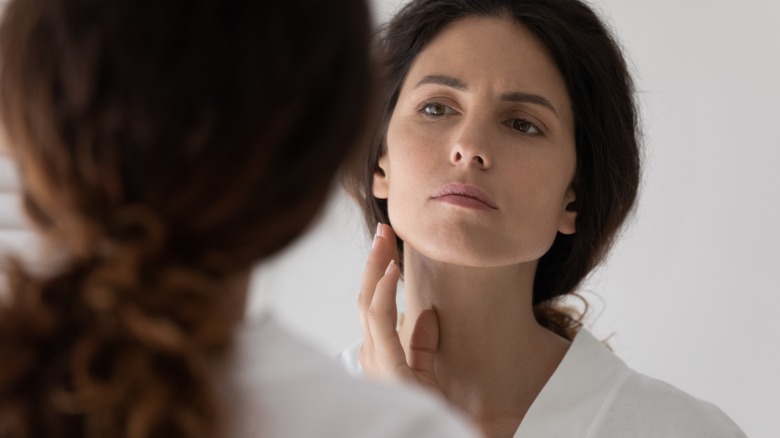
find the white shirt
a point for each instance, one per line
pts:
(280, 387)
(594, 394)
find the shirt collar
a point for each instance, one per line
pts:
(570, 401)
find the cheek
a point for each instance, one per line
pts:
(410, 165)
(538, 200)
(411, 158)
(405, 186)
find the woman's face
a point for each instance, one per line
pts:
(480, 148)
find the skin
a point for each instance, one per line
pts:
(469, 332)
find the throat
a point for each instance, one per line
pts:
(493, 358)
(492, 367)
(498, 393)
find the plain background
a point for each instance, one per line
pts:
(690, 293)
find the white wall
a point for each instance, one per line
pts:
(691, 293)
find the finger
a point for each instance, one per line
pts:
(378, 257)
(423, 344)
(382, 316)
(382, 313)
(388, 233)
(382, 251)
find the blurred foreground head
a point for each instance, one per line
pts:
(164, 147)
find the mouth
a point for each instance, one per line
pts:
(465, 196)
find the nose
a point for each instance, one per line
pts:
(470, 146)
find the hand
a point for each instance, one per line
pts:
(382, 354)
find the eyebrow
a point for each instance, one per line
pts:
(515, 96)
(536, 99)
(443, 80)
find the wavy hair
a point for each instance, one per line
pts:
(164, 147)
(606, 129)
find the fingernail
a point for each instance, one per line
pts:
(390, 266)
(380, 230)
(376, 236)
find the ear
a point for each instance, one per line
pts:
(381, 180)
(568, 220)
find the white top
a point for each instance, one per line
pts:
(594, 394)
(279, 387)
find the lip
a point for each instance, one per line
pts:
(464, 195)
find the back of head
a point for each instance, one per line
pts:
(164, 147)
(607, 137)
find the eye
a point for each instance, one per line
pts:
(436, 109)
(525, 127)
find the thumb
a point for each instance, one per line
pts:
(423, 344)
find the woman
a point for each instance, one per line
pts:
(507, 161)
(164, 148)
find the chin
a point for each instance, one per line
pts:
(473, 254)
(472, 245)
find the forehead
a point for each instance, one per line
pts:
(492, 55)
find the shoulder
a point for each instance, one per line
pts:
(644, 406)
(288, 389)
(593, 393)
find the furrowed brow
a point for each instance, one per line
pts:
(443, 80)
(528, 98)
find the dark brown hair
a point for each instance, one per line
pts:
(164, 147)
(607, 138)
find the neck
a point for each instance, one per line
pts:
(493, 357)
